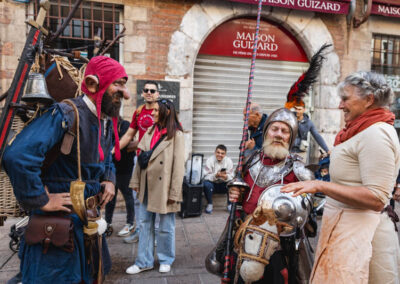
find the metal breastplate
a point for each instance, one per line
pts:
(265, 176)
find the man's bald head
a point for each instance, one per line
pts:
(255, 115)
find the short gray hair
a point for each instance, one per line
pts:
(254, 107)
(369, 83)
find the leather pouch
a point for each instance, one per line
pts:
(50, 229)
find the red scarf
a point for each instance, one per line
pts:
(157, 135)
(364, 121)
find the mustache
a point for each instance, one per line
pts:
(118, 94)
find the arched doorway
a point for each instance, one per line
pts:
(221, 75)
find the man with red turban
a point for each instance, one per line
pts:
(46, 191)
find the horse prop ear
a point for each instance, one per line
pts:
(92, 83)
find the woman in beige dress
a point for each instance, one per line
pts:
(357, 243)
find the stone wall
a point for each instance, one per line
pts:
(150, 25)
(12, 40)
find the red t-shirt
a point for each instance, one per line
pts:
(142, 122)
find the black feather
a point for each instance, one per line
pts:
(309, 77)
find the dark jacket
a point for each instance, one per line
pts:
(256, 133)
(305, 126)
(125, 165)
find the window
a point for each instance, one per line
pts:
(386, 60)
(386, 54)
(90, 19)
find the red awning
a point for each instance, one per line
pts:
(389, 8)
(323, 6)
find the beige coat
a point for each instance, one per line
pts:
(164, 174)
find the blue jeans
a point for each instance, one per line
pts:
(211, 187)
(165, 238)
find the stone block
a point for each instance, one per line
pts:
(298, 20)
(199, 28)
(127, 57)
(16, 33)
(134, 13)
(328, 120)
(19, 15)
(188, 141)
(331, 69)
(315, 34)
(218, 11)
(241, 9)
(9, 62)
(186, 99)
(186, 118)
(129, 25)
(135, 68)
(279, 14)
(326, 96)
(135, 43)
(182, 51)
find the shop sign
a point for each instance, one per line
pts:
(236, 38)
(386, 8)
(393, 82)
(168, 90)
(323, 6)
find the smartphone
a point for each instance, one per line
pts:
(223, 170)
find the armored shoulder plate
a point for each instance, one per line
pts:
(301, 172)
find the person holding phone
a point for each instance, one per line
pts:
(218, 172)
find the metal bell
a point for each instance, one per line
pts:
(36, 90)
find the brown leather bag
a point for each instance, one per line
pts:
(50, 229)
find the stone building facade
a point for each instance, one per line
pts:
(163, 39)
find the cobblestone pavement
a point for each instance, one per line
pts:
(195, 237)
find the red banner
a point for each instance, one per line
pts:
(323, 6)
(386, 8)
(236, 38)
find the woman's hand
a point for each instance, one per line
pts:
(170, 201)
(136, 189)
(298, 188)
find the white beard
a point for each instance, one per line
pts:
(275, 151)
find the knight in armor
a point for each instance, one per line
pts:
(271, 165)
(64, 244)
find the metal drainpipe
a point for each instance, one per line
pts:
(358, 22)
(352, 10)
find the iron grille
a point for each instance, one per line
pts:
(386, 54)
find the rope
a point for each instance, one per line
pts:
(249, 92)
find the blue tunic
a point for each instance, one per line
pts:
(22, 161)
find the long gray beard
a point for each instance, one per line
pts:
(278, 152)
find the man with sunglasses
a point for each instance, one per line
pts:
(142, 119)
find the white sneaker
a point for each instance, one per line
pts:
(134, 269)
(132, 238)
(164, 268)
(209, 208)
(126, 230)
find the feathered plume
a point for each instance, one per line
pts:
(302, 85)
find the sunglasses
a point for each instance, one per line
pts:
(152, 91)
(165, 102)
